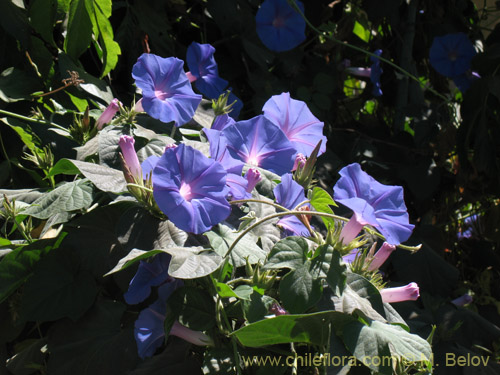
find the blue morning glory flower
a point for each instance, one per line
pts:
(148, 274)
(259, 143)
(289, 194)
(279, 26)
(166, 92)
(451, 54)
(375, 73)
(464, 81)
(190, 189)
(375, 204)
(203, 70)
(298, 123)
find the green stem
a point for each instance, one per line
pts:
(260, 201)
(395, 66)
(172, 133)
(32, 120)
(141, 187)
(315, 213)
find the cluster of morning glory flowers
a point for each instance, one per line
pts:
(195, 191)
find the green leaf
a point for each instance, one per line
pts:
(369, 339)
(361, 32)
(134, 256)
(17, 266)
(14, 20)
(96, 344)
(155, 146)
(192, 262)
(31, 141)
(290, 252)
(71, 196)
(300, 289)
(195, 308)
(30, 356)
(109, 150)
(79, 31)
(336, 273)
(268, 233)
(305, 328)
(321, 201)
(104, 178)
(15, 85)
(222, 236)
(241, 292)
(42, 15)
(257, 307)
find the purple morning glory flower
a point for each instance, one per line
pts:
(108, 114)
(203, 69)
(289, 194)
(190, 189)
(279, 26)
(375, 73)
(295, 119)
(166, 92)
(222, 121)
(375, 204)
(148, 274)
(259, 143)
(451, 54)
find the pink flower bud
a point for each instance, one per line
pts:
(191, 77)
(408, 292)
(253, 176)
(277, 310)
(108, 113)
(126, 144)
(194, 337)
(300, 161)
(381, 256)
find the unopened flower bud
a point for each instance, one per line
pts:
(408, 292)
(277, 310)
(381, 256)
(108, 113)
(253, 176)
(300, 162)
(194, 337)
(126, 144)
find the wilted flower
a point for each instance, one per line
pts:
(451, 54)
(126, 144)
(190, 189)
(381, 256)
(203, 70)
(375, 204)
(295, 119)
(408, 292)
(108, 114)
(289, 194)
(259, 143)
(279, 26)
(166, 92)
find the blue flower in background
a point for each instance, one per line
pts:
(190, 189)
(203, 70)
(298, 123)
(279, 26)
(375, 73)
(451, 54)
(289, 194)
(148, 274)
(259, 143)
(166, 92)
(375, 204)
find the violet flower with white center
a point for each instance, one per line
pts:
(166, 91)
(204, 71)
(108, 114)
(259, 143)
(298, 123)
(191, 189)
(408, 292)
(126, 144)
(279, 26)
(289, 194)
(381, 256)
(375, 204)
